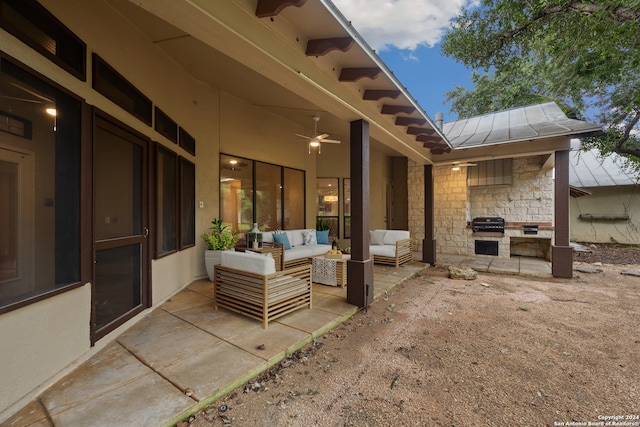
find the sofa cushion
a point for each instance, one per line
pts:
(309, 237)
(296, 238)
(283, 239)
(376, 237)
(298, 252)
(322, 237)
(392, 236)
(267, 237)
(248, 262)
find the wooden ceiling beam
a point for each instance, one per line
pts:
(395, 109)
(411, 130)
(433, 144)
(355, 74)
(376, 94)
(428, 138)
(320, 47)
(406, 121)
(266, 8)
(440, 150)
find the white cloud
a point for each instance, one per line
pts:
(405, 24)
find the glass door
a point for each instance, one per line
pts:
(120, 226)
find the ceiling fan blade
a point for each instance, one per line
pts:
(322, 136)
(303, 136)
(331, 141)
(14, 98)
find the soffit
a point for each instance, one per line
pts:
(262, 60)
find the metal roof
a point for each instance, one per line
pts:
(589, 169)
(538, 121)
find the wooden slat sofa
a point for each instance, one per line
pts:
(248, 283)
(303, 244)
(392, 247)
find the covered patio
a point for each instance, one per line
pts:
(184, 355)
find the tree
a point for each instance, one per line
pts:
(585, 56)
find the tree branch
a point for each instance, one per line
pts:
(619, 14)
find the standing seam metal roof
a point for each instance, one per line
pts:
(537, 121)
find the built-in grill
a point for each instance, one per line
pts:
(491, 224)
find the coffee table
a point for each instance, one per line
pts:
(329, 271)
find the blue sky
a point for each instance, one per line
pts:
(407, 34)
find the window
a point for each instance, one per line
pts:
(187, 142)
(35, 26)
(39, 203)
(175, 202)
(252, 191)
(268, 195)
(490, 172)
(166, 201)
(15, 125)
(346, 184)
(112, 85)
(165, 126)
(294, 199)
(328, 202)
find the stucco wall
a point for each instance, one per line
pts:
(607, 202)
(40, 340)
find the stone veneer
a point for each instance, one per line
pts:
(528, 199)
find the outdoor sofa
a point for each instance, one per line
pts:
(298, 245)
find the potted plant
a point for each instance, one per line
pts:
(219, 238)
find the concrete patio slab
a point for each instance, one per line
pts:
(111, 368)
(174, 347)
(310, 321)
(185, 299)
(212, 369)
(270, 343)
(147, 401)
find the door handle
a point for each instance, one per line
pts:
(145, 232)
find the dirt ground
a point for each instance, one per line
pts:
(499, 350)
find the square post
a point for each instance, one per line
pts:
(561, 252)
(429, 243)
(359, 267)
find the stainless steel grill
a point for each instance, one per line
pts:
(494, 224)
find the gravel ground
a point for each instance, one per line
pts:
(499, 350)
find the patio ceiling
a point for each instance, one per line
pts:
(296, 59)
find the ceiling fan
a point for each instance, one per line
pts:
(317, 139)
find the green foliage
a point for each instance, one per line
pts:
(220, 237)
(322, 224)
(585, 56)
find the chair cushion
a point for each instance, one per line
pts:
(383, 250)
(376, 237)
(248, 262)
(309, 237)
(283, 239)
(392, 236)
(322, 237)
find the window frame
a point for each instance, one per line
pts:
(84, 194)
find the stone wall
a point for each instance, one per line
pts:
(528, 199)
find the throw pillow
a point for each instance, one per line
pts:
(310, 237)
(282, 238)
(322, 237)
(376, 237)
